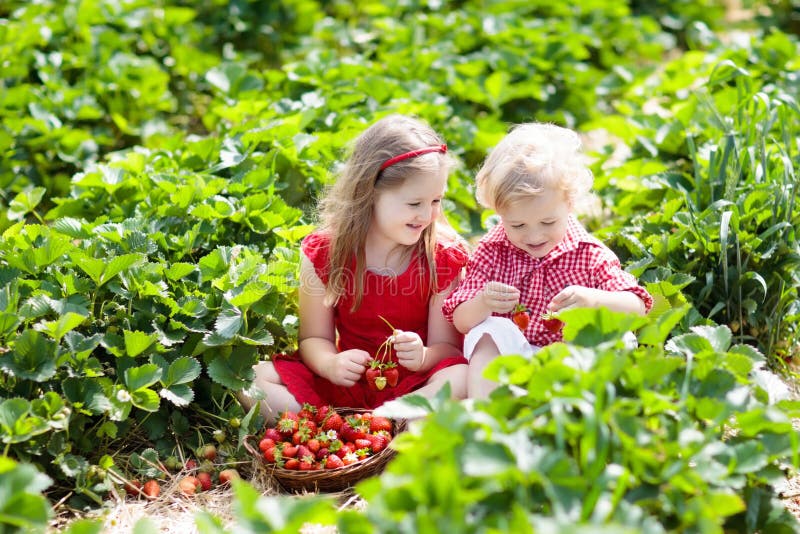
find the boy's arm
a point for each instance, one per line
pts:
(587, 297)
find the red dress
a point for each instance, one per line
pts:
(403, 300)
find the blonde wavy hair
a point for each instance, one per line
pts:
(531, 158)
(345, 211)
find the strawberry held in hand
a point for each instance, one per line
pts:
(552, 323)
(521, 317)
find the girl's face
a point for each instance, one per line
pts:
(537, 224)
(402, 213)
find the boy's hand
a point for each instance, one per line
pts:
(348, 366)
(499, 297)
(574, 297)
(409, 348)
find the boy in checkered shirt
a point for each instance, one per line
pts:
(539, 257)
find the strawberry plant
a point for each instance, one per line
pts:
(670, 437)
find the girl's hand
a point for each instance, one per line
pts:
(499, 297)
(348, 366)
(574, 297)
(410, 350)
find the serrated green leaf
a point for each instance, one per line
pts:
(71, 227)
(181, 371)
(179, 394)
(178, 271)
(145, 399)
(142, 376)
(137, 342)
(60, 327)
(33, 357)
(24, 203)
(235, 371)
(73, 465)
(228, 323)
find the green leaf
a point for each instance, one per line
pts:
(142, 376)
(145, 399)
(24, 203)
(179, 394)
(719, 336)
(33, 357)
(181, 371)
(482, 459)
(21, 505)
(178, 271)
(101, 271)
(59, 328)
(235, 371)
(87, 526)
(137, 342)
(228, 323)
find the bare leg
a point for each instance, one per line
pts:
(485, 351)
(278, 397)
(455, 375)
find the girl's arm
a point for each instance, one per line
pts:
(317, 333)
(443, 339)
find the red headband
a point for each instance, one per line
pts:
(413, 154)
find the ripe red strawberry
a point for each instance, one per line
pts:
(292, 463)
(521, 317)
(273, 434)
(392, 374)
(289, 450)
(378, 442)
(552, 323)
(205, 481)
(313, 445)
(307, 411)
(265, 444)
(363, 443)
(307, 463)
(288, 424)
(380, 423)
(301, 436)
(333, 462)
(133, 487)
(333, 421)
(322, 413)
(373, 374)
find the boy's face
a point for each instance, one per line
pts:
(537, 224)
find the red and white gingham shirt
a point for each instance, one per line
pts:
(579, 259)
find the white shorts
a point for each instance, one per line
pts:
(505, 334)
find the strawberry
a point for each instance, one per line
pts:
(273, 434)
(363, 443)
(208, 451)
(306, 463)
(265, 444)
(313, 445)
(301, 436)
(333, 421)
(333, 462)
(372, 375)
(292, 463)
(151, 489)
(392, 374)
(378, 441)
(289, 451)
(189, 485)
(322, 413)
(205, 481)
(521, 317)
(307, 411)
(288, 424)
(552, 323)
(133, 487)
(226, 475)
(190, 465)
(380, 423)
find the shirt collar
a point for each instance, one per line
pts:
(573, 238)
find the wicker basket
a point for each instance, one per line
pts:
(330, 480)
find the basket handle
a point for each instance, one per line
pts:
(249, 447)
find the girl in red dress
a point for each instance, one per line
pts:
(380, 256)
